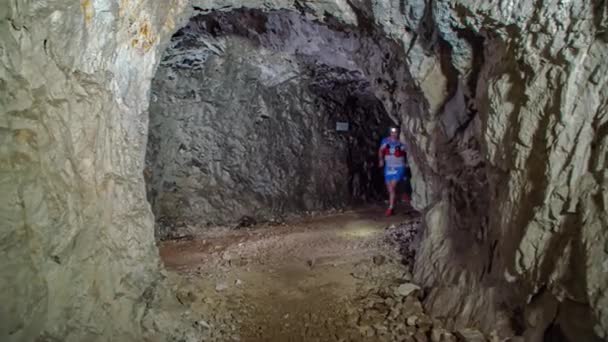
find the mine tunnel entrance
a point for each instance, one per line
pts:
(258, 115)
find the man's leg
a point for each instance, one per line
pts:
(390, 186)
(392, 190)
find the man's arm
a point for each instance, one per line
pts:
(381, 156)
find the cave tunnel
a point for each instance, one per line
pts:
(206, 170)
(263, 114)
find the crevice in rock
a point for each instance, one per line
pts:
(427, 28)
(476, 42)
(365, 21)
(600, 18)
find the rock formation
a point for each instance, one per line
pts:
(504, 104)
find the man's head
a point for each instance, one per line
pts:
(394, 131)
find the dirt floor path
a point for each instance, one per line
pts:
(337, 277)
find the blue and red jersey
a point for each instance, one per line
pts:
(394, 152)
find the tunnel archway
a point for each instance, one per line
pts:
(262, 114)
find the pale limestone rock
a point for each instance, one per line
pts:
(411, 321)
(406, 289)
(78, 252)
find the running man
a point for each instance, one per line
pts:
(391, 156)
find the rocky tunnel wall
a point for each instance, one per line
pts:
(76, 245)
(514, 94)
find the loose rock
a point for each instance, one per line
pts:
(379, 259)
(406, 289)
(221, 287)
(411, 321)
